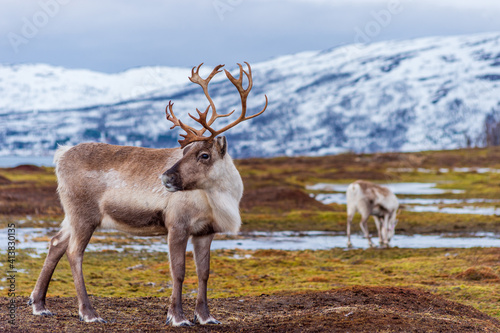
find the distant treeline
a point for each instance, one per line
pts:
(492, 129)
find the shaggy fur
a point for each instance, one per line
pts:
(371, 199)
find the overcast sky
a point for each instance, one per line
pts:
(114, 35)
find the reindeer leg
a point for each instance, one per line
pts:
(349, 221)
(378, 225)
(177, 242)
(392, 226)
(385, 230)
(57, 247)
(364, 227)
(350, 215)
(201, 246)
(77, 244)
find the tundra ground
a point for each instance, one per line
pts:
(391, 290)
(355, 309)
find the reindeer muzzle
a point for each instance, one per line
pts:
(172, 181)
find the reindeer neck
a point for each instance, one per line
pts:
(225, 198)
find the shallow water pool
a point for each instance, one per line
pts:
(294, 241)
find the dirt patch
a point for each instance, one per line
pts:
(4, 180)
(365, 174)
(26, 200)
(281, 198)
(28, 168)
(354, 309)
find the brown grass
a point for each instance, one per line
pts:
(481, 273)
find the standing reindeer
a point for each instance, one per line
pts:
(188, 192)
(371, 199)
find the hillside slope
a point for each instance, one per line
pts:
(430, 93)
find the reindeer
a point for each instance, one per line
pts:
(371, 199)
(188, 192)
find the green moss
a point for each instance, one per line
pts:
(40, 176)
(295, 221)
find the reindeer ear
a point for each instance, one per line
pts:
(185, 150)
(222, 143)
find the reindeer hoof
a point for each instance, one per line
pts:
(46, 313)
(43, 313)
(183, 323)
(40, 312)
(93, 320)
(209, 321)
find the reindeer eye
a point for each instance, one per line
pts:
(204, 156)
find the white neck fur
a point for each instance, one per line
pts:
(225, 197)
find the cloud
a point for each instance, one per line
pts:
(114, 35)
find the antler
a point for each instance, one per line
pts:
(192, 134)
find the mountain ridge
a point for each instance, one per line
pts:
(410, 95)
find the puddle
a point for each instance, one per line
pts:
(330, 198)
(456, 210)
(340, 198)
(294, 241)
(422, 201)
(443, 170)
(396, 188)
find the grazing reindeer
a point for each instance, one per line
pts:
(188, 192)
(371, 199)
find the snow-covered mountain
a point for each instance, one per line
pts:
(429, 93)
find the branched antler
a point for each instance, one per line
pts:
(192, 134)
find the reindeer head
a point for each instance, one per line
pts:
(205, 160)
(392, 227)
(197, 167)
